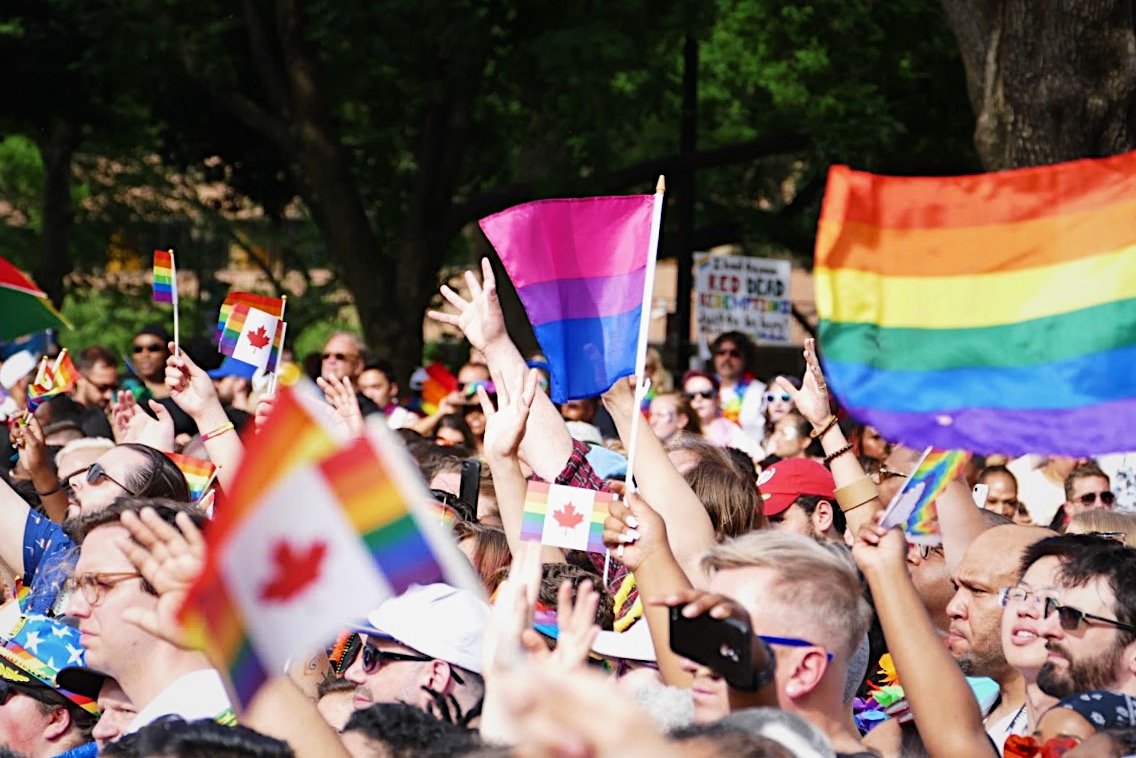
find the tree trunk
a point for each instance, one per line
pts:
(57, 145)
(1049, 82)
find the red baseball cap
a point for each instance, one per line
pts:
(786, 480)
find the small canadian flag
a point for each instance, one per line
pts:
(248, 335)
(567, 517)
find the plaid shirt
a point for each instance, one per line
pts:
(577, 472)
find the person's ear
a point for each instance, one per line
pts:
(822, 517)
(807, 673)
(59, 724)
(394, 389)
(438, 676)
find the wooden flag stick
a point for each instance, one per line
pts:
(174, 282)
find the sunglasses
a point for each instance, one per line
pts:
(153, 347)
(729, 351)
(1072, 618)
(344, 357)
(1106, 498)
(704, 394)
(95, 473)
(101, 388)
(925, 551)
(374, 658)
(8, 689)
(793, 642)
(771, 396)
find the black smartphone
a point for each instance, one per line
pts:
(470, 482)
(725, 646)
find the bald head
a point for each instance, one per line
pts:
(997, 552)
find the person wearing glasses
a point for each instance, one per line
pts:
(426, 641)
(148, 353)
(990, 563)
(98, 380)
(1086, 489)
(701, 390)
(740, 393)
(158, 677)
(344, 356)
(1089, 622)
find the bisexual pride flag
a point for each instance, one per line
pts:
(580, 267)
(991, 313)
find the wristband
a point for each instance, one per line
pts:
(827, 425)
(226, 427)
(857, 493)
(833, 456)
(51, 491)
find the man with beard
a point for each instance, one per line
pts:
(1090, 629)
(990, 564)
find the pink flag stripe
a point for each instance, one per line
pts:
(593, 297)
(582, 238)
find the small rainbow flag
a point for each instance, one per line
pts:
(567, 517)
(439, 383)
(277, 347)
(914, 505)
(318, 531)
(199, 474)
(271, 305)
(52, 380)
(165, 277)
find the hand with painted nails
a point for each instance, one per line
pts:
(634, 532)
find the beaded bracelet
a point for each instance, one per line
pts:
(833, 456)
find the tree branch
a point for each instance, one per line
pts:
(645, 172)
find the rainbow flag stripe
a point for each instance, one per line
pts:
(52, 380)
(536, 511)
(65, 372)
(440, 382)
(373, 504)
(211, 617)
(994, 313)
(165, 278)
(233, 327)
(199, 474)
(272, 305)
(937, 469)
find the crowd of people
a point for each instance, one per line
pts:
(749, 603)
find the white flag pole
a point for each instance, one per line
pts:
(641, 383)
(174, 283)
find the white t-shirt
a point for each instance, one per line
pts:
(196, 695)
(749, 408)
(1121, 470)
(1042, 497)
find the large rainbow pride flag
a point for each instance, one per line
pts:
(991, 313)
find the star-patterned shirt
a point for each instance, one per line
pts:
(49, 557)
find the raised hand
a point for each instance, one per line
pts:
(634, 531)
(480, 317)
(132, 424)
(341, 394)
(505, 425)
(170, 560)
(576, 622)
(27, 437)
(264, 406)
(190, 387)
(879, 551)
(811, 399)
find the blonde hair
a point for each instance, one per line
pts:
(663, 381)
(1098, 520)
(101, 444)
(818, 588)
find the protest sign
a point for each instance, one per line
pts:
(738, 293)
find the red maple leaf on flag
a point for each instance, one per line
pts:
(567, 516)
(294, 570)
(259, 338)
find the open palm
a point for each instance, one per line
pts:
(480, 317)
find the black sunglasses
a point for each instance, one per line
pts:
(7, 689)
(152, 348)
(732, 352)
(1106, 498)
(704, 394)
(92, 475)
(1072, 618)
(374, 657)
(338, 356)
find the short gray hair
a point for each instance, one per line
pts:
(819, 582)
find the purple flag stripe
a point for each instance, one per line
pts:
(594, 297)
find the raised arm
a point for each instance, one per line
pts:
(27, 436)
(941, 701)
(960, 522)
(856, 495)
(689, 531)
(13, 519)
(504, 429)
(547, 445)
(193, 391)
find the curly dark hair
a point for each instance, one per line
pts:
(404, 731)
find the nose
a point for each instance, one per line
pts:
(354, 672)
(77, 605)
(1049, 626)
(956, 609)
